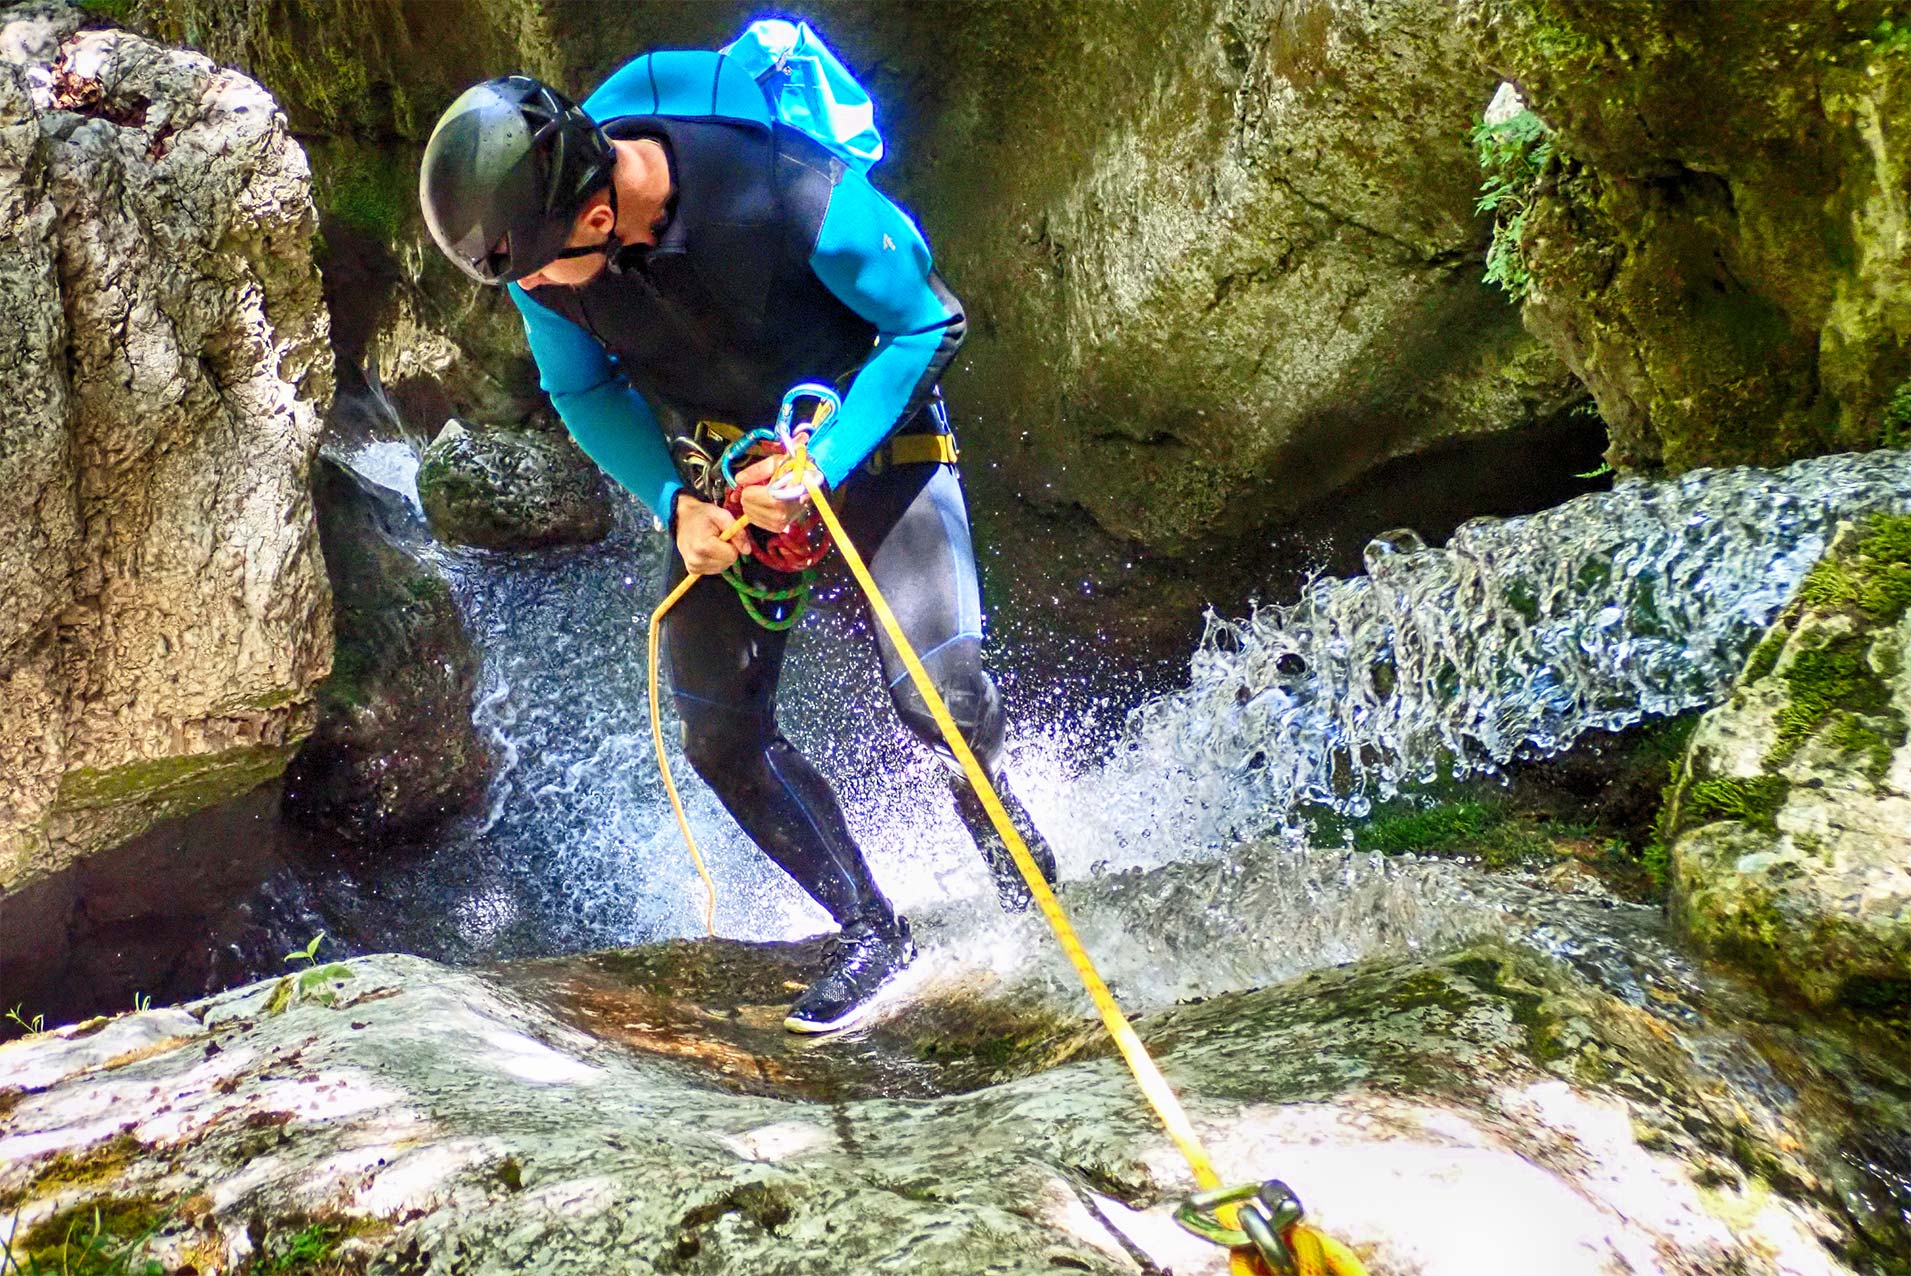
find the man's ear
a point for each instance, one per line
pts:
(597, 215)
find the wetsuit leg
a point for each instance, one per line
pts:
(912, 525)
(723, 670)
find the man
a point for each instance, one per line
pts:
(678, 253)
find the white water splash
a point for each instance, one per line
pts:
(1510, 642)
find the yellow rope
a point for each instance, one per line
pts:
(1312, 1247)
(1316, 1254)
(657, 734)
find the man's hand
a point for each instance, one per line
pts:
(700, 529)
(760, 505)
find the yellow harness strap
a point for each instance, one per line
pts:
(900, 449)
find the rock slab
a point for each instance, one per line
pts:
(166, 358)
(616, 1114)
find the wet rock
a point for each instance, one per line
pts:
(395, 753)
(1717, 249)
(1210, 285)
(165, 353)
(667, 1123)
(1793, 813)
(511, 489)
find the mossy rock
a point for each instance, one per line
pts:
(394, 754)
(511, 489)
(1790, 821)
(1712, 247)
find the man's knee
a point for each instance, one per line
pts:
(973, 702)
(721, 750)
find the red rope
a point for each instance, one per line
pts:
(803, 544)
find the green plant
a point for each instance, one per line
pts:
(309, 982)
(142, 1001)
(309, 953)
(1514, 154)
(58, 1246)
(303, 1253)
(37, 1025)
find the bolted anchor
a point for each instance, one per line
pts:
(1266, 1212)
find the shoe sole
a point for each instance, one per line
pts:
(812, 1028)
(851, 1017)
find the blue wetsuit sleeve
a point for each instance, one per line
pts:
(872, 257)
(610, 420)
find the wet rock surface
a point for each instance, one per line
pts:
(641, 1110)
(165, 346)
(1717, 248)
(511, 489)
(1793, 812)
(395, 753)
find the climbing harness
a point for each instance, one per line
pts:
(1260, 1224)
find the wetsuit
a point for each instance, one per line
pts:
(778, 264)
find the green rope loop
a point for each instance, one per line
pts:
(796, 594)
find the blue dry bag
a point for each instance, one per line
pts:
(809, 88)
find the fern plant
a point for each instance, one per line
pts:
(1514, 154)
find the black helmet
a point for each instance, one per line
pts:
(505, 174)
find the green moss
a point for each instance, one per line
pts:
(176, 783)
(1433, 829)
(1754, 801)
(1594, 574)
(100, 1237)
(1871, 740)
(94, 1166)
(1821, 681)
(1882, 996)
(118, 11)
(1521, 598)
(366, 190)
(1490, 831)
(1895, 424)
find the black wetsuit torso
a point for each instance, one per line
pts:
(724, 313)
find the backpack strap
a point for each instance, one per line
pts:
(690, 83)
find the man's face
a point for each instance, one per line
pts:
(590, 229)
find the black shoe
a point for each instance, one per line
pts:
(864, 956)
(1011, 890)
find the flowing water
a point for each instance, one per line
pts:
(1508, 642)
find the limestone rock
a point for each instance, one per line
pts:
(1221, 258)
(165, 357)
(395, 752)
(511, 489)
(1793, 812)
(363, 81)
(643, 1112)
(1721, 254)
